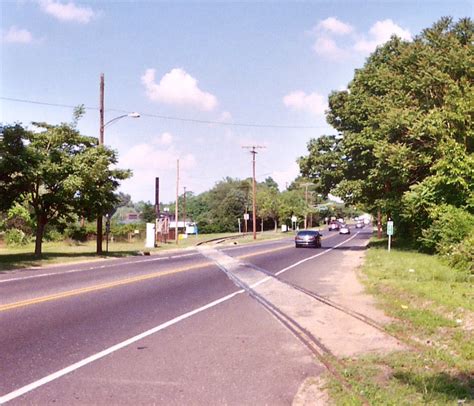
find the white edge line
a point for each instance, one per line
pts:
(89, 269)
(314, 256)
(110, 350)
(123, 344)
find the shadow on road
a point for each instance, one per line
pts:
(24, 261)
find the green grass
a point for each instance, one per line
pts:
(432, 304)
(68, 252)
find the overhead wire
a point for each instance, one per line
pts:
(174, 118)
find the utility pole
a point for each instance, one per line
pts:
(305, 185)
(184, 209)
(254, 187)
(101, 142)
(176, 217)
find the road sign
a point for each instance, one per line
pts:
(246, 216)
(293, 219)
(390, 227)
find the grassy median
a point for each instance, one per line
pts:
(433, 306)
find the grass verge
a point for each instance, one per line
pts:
(67, 252)
(431, 304)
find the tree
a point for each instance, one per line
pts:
(292, 203)
(268, 203)
(59, 172)
(405, 138)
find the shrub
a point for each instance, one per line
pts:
(76, 233)
(15, 237)
(53, 235)
(449, 226)
(462, 255)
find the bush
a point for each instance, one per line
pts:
(449, 226)
(462, 255)
(53, 235)
(15, 238)
(121, 231)
(76, 233)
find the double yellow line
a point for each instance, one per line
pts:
(122, 282)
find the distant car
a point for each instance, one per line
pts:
(344, 229)
(334, 226)
(308, 238)
(359, 224)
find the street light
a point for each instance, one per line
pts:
(133, 115)
(101, 142)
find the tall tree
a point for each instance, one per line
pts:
(402, 116)
(59, 172)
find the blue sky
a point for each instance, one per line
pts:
(265, 63)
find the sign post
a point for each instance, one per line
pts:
(389, 233)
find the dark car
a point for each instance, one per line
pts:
(308, 238)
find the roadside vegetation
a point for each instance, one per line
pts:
(432, 306)
(69, 251)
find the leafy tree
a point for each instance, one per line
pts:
(292, 203)
(405, 138)
(59, 172)
(270, 182)
(147, 211)
(268, 203)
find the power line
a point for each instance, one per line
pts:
(174, 118)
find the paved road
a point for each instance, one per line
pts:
(168, 329)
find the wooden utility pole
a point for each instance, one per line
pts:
(184, 209)
(176, 217)
(101, 142)
(305, 185)
(254, 189)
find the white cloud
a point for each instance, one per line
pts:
(67, 11)
(334, 26)
(164, 139)
(150, 160)
(178, 88)
(16, 35)
(327, 47)
(225, 117)
(380, 33)
(285, 177)
(299, 100)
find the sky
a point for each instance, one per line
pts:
(208, 78)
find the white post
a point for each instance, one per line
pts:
(150, 235)
(389, 242)
(240, 231)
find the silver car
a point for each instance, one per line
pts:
(344, 229)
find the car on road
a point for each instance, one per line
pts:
(308, 238)
(360, 224)
(344, 229)
(334, 226)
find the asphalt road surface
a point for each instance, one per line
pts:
(168, 329)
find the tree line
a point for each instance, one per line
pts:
(404, 143)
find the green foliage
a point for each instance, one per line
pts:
(122, 231)
(76, 233)
(406, 141)
(18, 217)
(449, 226)
(58, 172)
(53, 235)
(462, 254)
(16, 238)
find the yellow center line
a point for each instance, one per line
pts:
(80, 291)
(122, 282)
